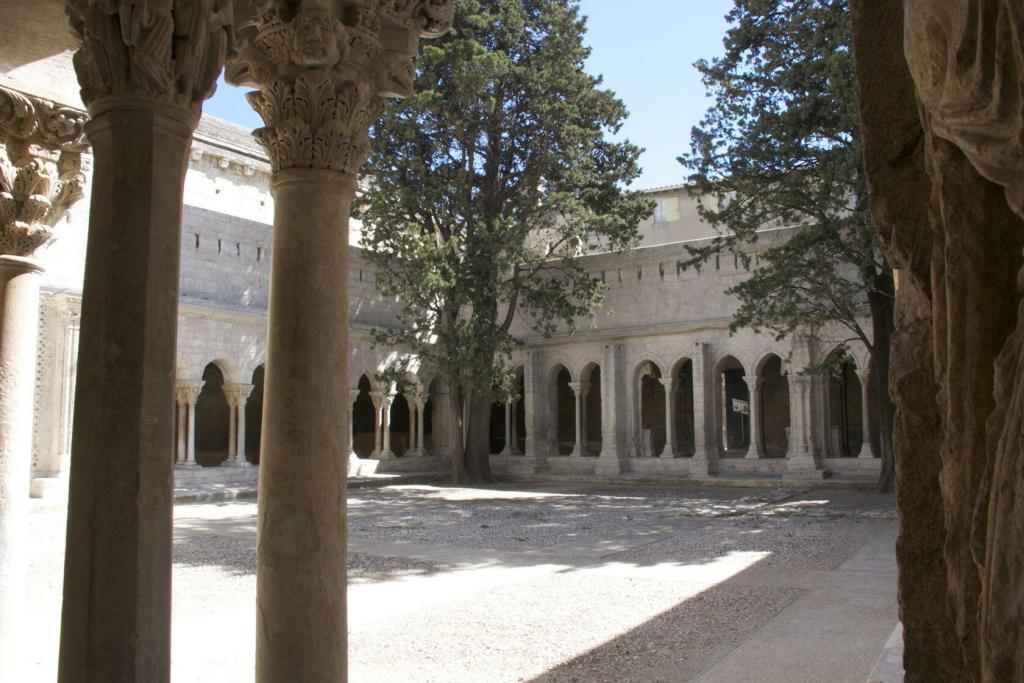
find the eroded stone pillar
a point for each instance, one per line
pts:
(353, 395)
(41, 177)
(144, 70)
(507, 450)
(534, 396)
(614, 458)
(385, 452)
(192, 392)
(703, 414)
(420, 430)
(321, 70)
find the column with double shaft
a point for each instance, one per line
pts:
(754, 387)
(321, 72)
(41, 177)
(867, 450)
(144, 69)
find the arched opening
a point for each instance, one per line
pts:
(773, 406)
(733, 408)
(845, 409)
(254, 417)
(650, 411)
(564, 412)
(212, 419)
(591, 410)
(399, 424)
(363, 420)
(682, 412)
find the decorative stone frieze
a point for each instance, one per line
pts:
(322, 70)
(40, 170)
(163, 51)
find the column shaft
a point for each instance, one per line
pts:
(420, 448)
(240, 431)
(19, 313)
(578, 395)
(300, 586)
(190, 444)
(117, 579)
(755, 450)
(867, 450)
(179, 450)
(232, 431)
(507, 450)
(670, 423)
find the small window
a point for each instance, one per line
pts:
(238, 248)
(197, 240)
(259, 253)
(718, 262)
(661, 270)
(666, 209)
(219, 246)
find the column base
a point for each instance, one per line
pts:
(187, 466)
(384, 455)
(754, 453)
(700, 467)
(611, 465)
(803, 468)
(667, 453)
(866, 451)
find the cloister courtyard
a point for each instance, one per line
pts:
(550, 582)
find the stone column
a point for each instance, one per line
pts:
(867, 451)
(507, 450)
(534, 396)
(232, 399)
(144, 70)
(385, 452)
(800, 460)
(353, 395)
(377, 398)
(579, 390)
(191, 396)
(41, 174)
(754, 386)
(638, 432)
(420, 407)
(322, 71)
(181, 410)
(514, 431)
(244, 391)
(411, 408)
(704, 461)
(671, 385)
(613, 458)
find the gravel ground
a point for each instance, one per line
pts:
(550, 583)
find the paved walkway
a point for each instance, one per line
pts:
(552, 583)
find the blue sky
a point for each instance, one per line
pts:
(645, 55)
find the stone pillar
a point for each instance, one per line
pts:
(754, 386)
(867, 451)
(191, 396)
(353, 395)
(507, 450)
(244, 391)
(385, 452)
(377, 398)
(800, 460)
(321, 76)
(144, 70)
(41, 174)
(421, 405)
(514, 431)
(181, 406)
(671, 385)
(534, 396)
(232, 459)
(236, 395)
(411, 407)
(579, 390)
(614, 458)
(705, 460)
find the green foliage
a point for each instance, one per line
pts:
(781, 147)
(488, 179)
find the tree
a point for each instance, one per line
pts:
(781, 146)
(481, 189)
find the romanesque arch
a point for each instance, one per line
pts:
(771, 401)
(683, 432)
(562, 409)
(844, 407)
(732, 406)
(649, 414)
(212, 415)
(364, 420)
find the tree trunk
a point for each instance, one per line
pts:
(881, 300)
(454, 421)
(478, 438)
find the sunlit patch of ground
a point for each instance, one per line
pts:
(574, 583)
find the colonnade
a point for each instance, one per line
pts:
(144, 72)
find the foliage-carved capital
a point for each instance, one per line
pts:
(163, 51)
(322, 69)
(41, 173)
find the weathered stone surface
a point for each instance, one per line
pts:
(940, 87)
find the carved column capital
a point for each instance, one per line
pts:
(237, 394)
(187, 393)
(41, 174)
(322, 69)
(165, 52)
